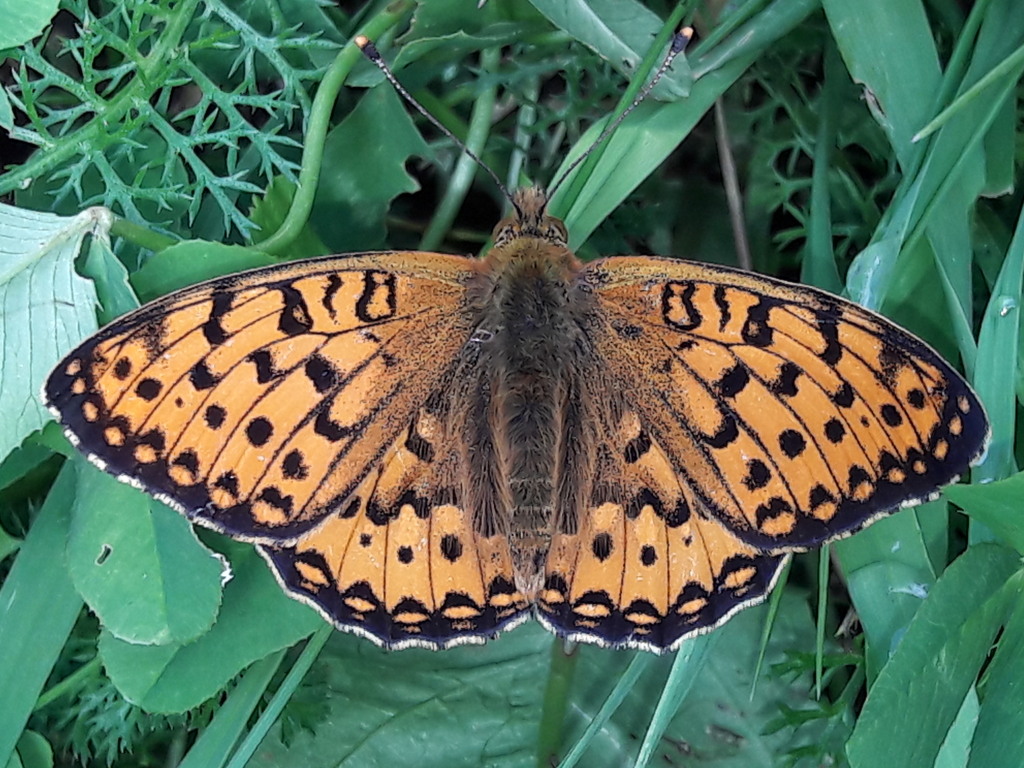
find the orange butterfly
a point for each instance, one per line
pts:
(430, 448)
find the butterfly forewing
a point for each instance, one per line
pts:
(795, 416)
(257, 403)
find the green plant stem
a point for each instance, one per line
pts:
(623, 686)
(556, 702)
(319, 122)
(71, 683)
(141, 236)
(465, 168)
(291, 681)
(571, 188)
(148, 77)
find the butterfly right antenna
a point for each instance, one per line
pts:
(677, 46)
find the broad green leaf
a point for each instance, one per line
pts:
(652, 131)
(479, 705)
(193, 262)
(139, 565)
(937, 661)
(996, 504)
(256, 618)
(620, 31)
(351, 207)
(24, 20)
(46, 307)
(999, 736)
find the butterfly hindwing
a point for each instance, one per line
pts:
(647, 566)
(795, 416)
(402, 563)
(256, 403)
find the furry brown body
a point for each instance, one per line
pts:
(532, 365)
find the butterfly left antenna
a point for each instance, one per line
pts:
(370, 51)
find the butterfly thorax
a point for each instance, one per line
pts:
(529, 355)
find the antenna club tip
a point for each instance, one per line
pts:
(680, 40)
(366, 45)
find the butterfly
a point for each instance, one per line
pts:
(428, 449)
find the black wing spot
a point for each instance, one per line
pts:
(451, 547)
(785, 383)
(792, 443)
(321, 373)
(637, 448)
(916, 398)
(835, 431)
(189, 461)
(733, 381)
(844, 396)
(378, 300)
(213, 331)
(214, 416)
(264, 363)
(758, 475)
(678, 309)
(273, 496)
(333, 286)
(294, 467)
(201, 377)
(602, 546)
(891, 415)
(419, 446)
(756, 330)
(227, 482)
(833, 351)
(149, 389)
(295, 317)
(331, 430)
(405, 555)
(259, 431)
(648, 555)
(726, 434)
(122, 368)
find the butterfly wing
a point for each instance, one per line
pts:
(647, 566)
(758, 418)
(257, 403)
(404, 565)
(795, 416)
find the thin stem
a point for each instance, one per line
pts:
(319, 122)
(465, 168)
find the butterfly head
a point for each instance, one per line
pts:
(530, 219)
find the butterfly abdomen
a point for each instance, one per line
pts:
(532, 347)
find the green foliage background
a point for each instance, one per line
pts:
(874, 148)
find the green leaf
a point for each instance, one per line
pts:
(373, 144)
(479, 705)
(996, 504)
(999, 736)
(24, 20)
(619, 30)
(47, 308)
(888, 47)
(193, 262)
(255, 619)
(34, 751)
(139, 565)
(652, 131)
(38, 607)
(937, 661)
